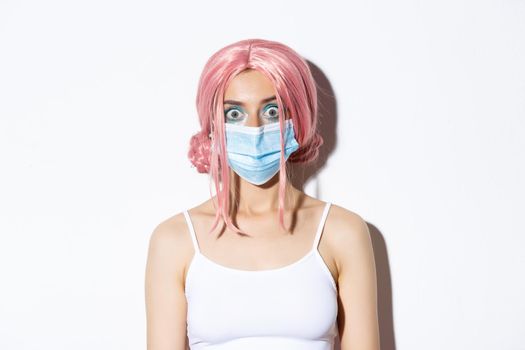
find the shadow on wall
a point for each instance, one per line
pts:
(302, 173)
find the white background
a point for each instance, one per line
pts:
(425, 139)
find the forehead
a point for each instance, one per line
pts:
(249, 85)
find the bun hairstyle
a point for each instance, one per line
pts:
(296, 95)
(200, 151)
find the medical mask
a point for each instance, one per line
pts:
(254, 152)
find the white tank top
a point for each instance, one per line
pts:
(287, 308)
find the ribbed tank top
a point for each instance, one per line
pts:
(287, 308)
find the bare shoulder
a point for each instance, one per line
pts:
(170, 245)
(349, 235)
(346, 224)
(166, 305)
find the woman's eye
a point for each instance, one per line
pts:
(233, 114)
(271, 112)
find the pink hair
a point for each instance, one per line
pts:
(295, 90)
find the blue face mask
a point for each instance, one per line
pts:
(254, 152)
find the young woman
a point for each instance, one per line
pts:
(261, 264)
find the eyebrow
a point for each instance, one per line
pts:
(233, 102)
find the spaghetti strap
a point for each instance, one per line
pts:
(321, 226)
(192, 231)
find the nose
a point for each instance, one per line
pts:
(253, 119)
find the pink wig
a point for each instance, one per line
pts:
(296, 94)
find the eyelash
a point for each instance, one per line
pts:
(271, 106)
(231, 109)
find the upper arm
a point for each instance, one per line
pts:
(357, 318)
(164, 292)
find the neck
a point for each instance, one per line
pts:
(261, 199)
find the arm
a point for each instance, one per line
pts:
(358, 318)
(164, 292)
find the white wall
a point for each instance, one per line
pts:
(427, 127)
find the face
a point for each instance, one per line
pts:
(249, 100)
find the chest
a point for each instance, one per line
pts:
(268, 248)
(298, 301)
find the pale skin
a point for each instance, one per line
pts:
(345, 245)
